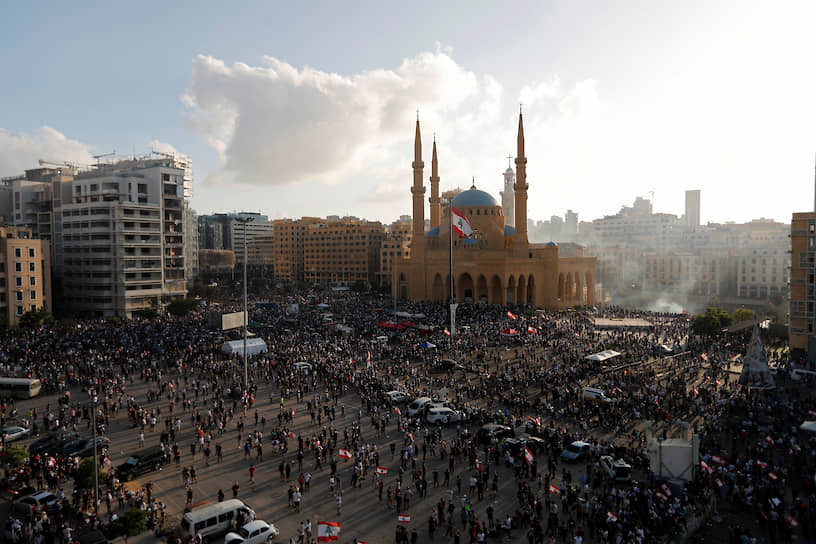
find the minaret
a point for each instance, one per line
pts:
(507, 196)
(520, 188)
(435, 201)
(418, 189)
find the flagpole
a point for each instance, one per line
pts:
(450, 271)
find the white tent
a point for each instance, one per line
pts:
(236, 347)
(602, 356)
(809, 426)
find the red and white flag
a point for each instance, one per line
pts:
(460, 223)
(328, 531)
(660, 495)
(718, 482)
(291, 435)
(611, 517)
(762, 464)
(397, 410)
(447, 332)
(704, 357)
(368, 356)
(532, 330)
(718, 460)
(772, 476)
(382, 470)
(107, 461)
(404, 518)
(511, 315)
(478, 465)
(666, 490)
(769, 440)
(345, 454)
(791, 521)
(528, 455)
(696, 392)
(706, 467)
(555, 490)
(534, 420)
(812, 413)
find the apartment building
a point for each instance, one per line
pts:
(25, 272)
(396, 245)
(803, 284)
(342, 251)
(287, 239)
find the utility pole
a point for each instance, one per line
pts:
(95, 461)
(245, 221)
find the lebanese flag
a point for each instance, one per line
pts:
(611, 517)
(397, 410)
(762, 464)
(666, 490)
(718, 482)
(382, 470)
(528, 455)
(705, 467)
(812, 413)
(107, 461)
(772, 476)
(291, 435)
(791, 521)
(345, 454)
(447, 332)
(478, 465)
(555, 490)
(718, 460)
(327, 531)
(532, 330)
(660, 495)
(769, 440)
(534, 420)
(511, 315)
(696, 392)
(404, 518)
(368, 356)
(704, 357)
(460, 223)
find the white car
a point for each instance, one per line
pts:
(442, 414)
(13, 432)
(303, 368)
(397, 397)
(254, 532)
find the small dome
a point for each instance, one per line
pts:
(469, 241)
(509, 230)
(553, 244)
(433, 232)
(508, 171)
(473, 198)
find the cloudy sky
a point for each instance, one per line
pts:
(308, 108)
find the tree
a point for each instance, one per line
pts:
(743, 314)
(131, 523)
(182, 306)
(711, 321)
(16, 456)
(84, 477)
(35, 318)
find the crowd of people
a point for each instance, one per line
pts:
(516, 366)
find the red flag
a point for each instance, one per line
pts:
(666, 490)
(447, 332)
(769, 440)
(762, 464)
(718, 460)
(478, 465)
(705, 467)
(531, 330)
(791, 521)
(368, 356)
(555, 490)
(528, 455)
(382, 470)
(327, 531)
(718, 482)
(511, 315)
(397, 410)
(460, 223)
(611, 517)
(345, 454)
(772, 476)
(404, 518)
(292, 435)
(534, 420)
(660, 495)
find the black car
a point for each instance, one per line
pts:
(517, 445)
(487, 432)
(141, 462)
(51, 443)
(85, 448)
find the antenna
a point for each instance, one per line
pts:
(97, 157)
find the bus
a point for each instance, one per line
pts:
(20, 388)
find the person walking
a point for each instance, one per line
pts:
(252, 473)
(339, 500)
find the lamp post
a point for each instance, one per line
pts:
(95, 462)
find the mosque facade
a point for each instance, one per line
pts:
(496, 264)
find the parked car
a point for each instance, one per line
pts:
(440, 415)
(575, 452)
(616, 469)
(445, 365)
(397, 397)
(487, 432)
(13, 433)
(141, 462)
(85, 448)
(27, 505)
(254, 532)
(517, 445)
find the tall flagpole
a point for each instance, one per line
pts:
(450, 265)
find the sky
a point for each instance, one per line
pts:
(308, 108)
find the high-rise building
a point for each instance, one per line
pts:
(342, 252)
(395, 246)
(25, 274)
(692, 217)
(803, 285)
(288, 236)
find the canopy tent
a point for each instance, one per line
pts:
(426, 344)
(602, 356)
(809, 426)
(236, 347)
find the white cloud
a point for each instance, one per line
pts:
(20, 150)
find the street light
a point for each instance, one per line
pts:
(95, 462)
(245, 221)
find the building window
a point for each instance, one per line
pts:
(31, 252)
(33, 307)
(19, 310)
(18, 252)
(18, 267)
(32, 280)
(33, 294)
(32, 267)
(19, 295)
(18, 281)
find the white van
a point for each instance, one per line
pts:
(596, 395)
(216, 519)
(416, 408)
(303, 368)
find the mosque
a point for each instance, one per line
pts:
(496, 264)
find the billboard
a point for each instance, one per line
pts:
(232, 321)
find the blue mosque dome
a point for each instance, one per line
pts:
(473, 198)
(552, 244)
(433, 232)
(509, 230)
